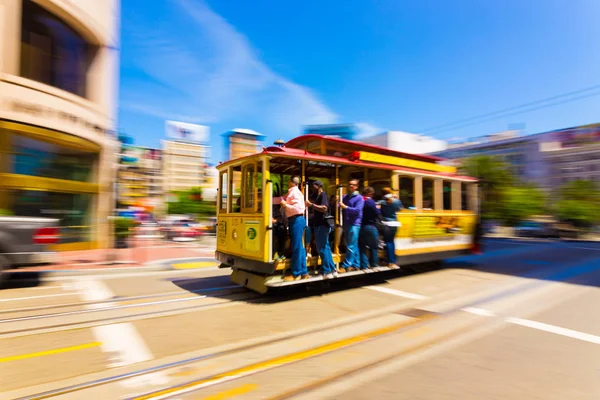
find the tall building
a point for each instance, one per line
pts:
(185, 156)
(184, 165)
(343, 131)
(140, 178)
(58, 86)
(406, 142)
(241, 142)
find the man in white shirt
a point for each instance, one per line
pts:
(293, 203)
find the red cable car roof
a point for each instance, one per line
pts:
(292, 152)
(358, 146)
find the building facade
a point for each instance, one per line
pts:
(343, 131)
(406, 142)
(241, 142)
(547, 159)
(140, 178)
(184, 165)
(572, 154)
(522, 153)
(58, 87)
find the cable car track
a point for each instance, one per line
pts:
(226, 299)
(118, 299)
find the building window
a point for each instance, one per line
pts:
(52, 52)
(47, 160)
(74, 211)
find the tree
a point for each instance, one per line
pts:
(494, 177)
(578, 202)
(522, 202)
(190, 202)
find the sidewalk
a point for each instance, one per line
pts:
(140, 253)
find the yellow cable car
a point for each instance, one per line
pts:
(438, 220)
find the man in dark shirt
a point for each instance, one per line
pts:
(369, 235)
(322, 228)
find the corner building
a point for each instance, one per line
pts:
(58, 87)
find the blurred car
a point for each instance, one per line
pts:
(208, 226)
(536, 229)
(182, 230)
(26, 240)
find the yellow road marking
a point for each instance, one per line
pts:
(191, 265)
(50, 352)
(233, 392)
(282, 360)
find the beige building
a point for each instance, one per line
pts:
(58, 86)
(184, 165)
(241, 142)
(140, 178)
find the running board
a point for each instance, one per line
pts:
(277, 281)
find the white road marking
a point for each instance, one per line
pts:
(586, 337)
(122, 342)
(395, 292)
(587, 248)
(479, 311)
(38, 297)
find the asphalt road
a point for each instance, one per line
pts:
(518, 322)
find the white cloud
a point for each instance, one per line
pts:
(216, 75)
(366, 129)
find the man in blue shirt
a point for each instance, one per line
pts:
(369, 235)
(352, 206)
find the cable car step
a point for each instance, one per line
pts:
(277, 281)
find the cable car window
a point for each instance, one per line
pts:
(259, 184)
(447, 189)
(249, 186)
(223, 189)
(428, 189)
(407, 192)
(236, 189)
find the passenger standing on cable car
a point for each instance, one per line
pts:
(352, 205)
(322, 226)
(293, 203)
(369, 235)
(389, 206)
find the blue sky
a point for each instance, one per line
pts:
(273, 66)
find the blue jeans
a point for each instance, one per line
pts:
(352, 254)
(388, 237)
(322, 240)
(297, 226)
(308, 232)
(369, 237)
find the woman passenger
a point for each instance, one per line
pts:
(389, 206)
